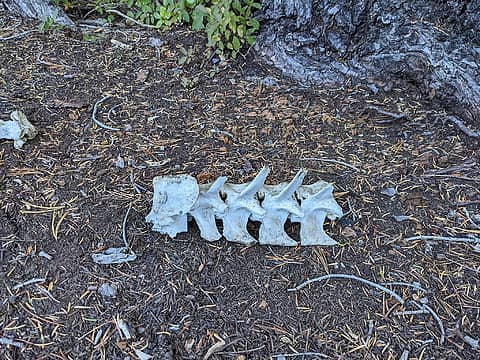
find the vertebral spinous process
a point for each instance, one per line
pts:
(178, 198)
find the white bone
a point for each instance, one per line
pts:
(207, 206)
(242, 201)
(173, 198)
(19, 129)
(279, 202)
(177, 198)
(317, 202)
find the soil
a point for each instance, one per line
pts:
(64, 195)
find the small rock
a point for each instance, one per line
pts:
(45, 255)
(286, 340)
(428, 250)
(189, 345)
(389, 191)
(263, 305)
(400, 218)
(155, 42)
(107, 290)
(141, 355)
(142, 75)
(348, 232)
(120, 163)
(424, 300)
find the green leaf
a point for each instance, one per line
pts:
(198, 16)
(236, 5)
(240, 31)
(236, 43)
(254, 24)
(250, 40)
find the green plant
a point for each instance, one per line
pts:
(228, 24)
(48, 24)
(66, 4)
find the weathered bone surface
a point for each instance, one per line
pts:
(176, 197)
(173, 198)
(19, 129)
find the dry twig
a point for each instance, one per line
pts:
(463, 127)
(17, 36)
(218, 346)
(124, 227)
(94, 114)
(116, 12)
(11, 342)
(282, 356)
(29, 282)
(435, 316)
(414, 285)
(395, 116)
(472, 222)
(472, 240)
(350, 277)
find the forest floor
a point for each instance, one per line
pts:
(64, 195)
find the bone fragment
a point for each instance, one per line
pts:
(19, 129)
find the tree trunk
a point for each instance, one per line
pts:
(38, 9)
(433, 45)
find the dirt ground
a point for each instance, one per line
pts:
(63, 197)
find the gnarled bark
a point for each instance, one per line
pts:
(433, 45)
(38, 9)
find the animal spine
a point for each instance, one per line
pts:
(177, 197)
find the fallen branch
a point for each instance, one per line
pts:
(94, 113)
(350, 277)
(29, 282)
(17, 36)
(218, 346)
(116, 12)
(399, 283)
(124, 226)
(472, 240)
(472, 222)
(280, 356)
(371, 326)
(388, 113)
(435, 316)
(333, 161)
(46, 292)
(474, 343)
(463, 127)
(11, 342)
(404, 355)
(411, 312)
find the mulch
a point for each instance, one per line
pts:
(64, 195)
